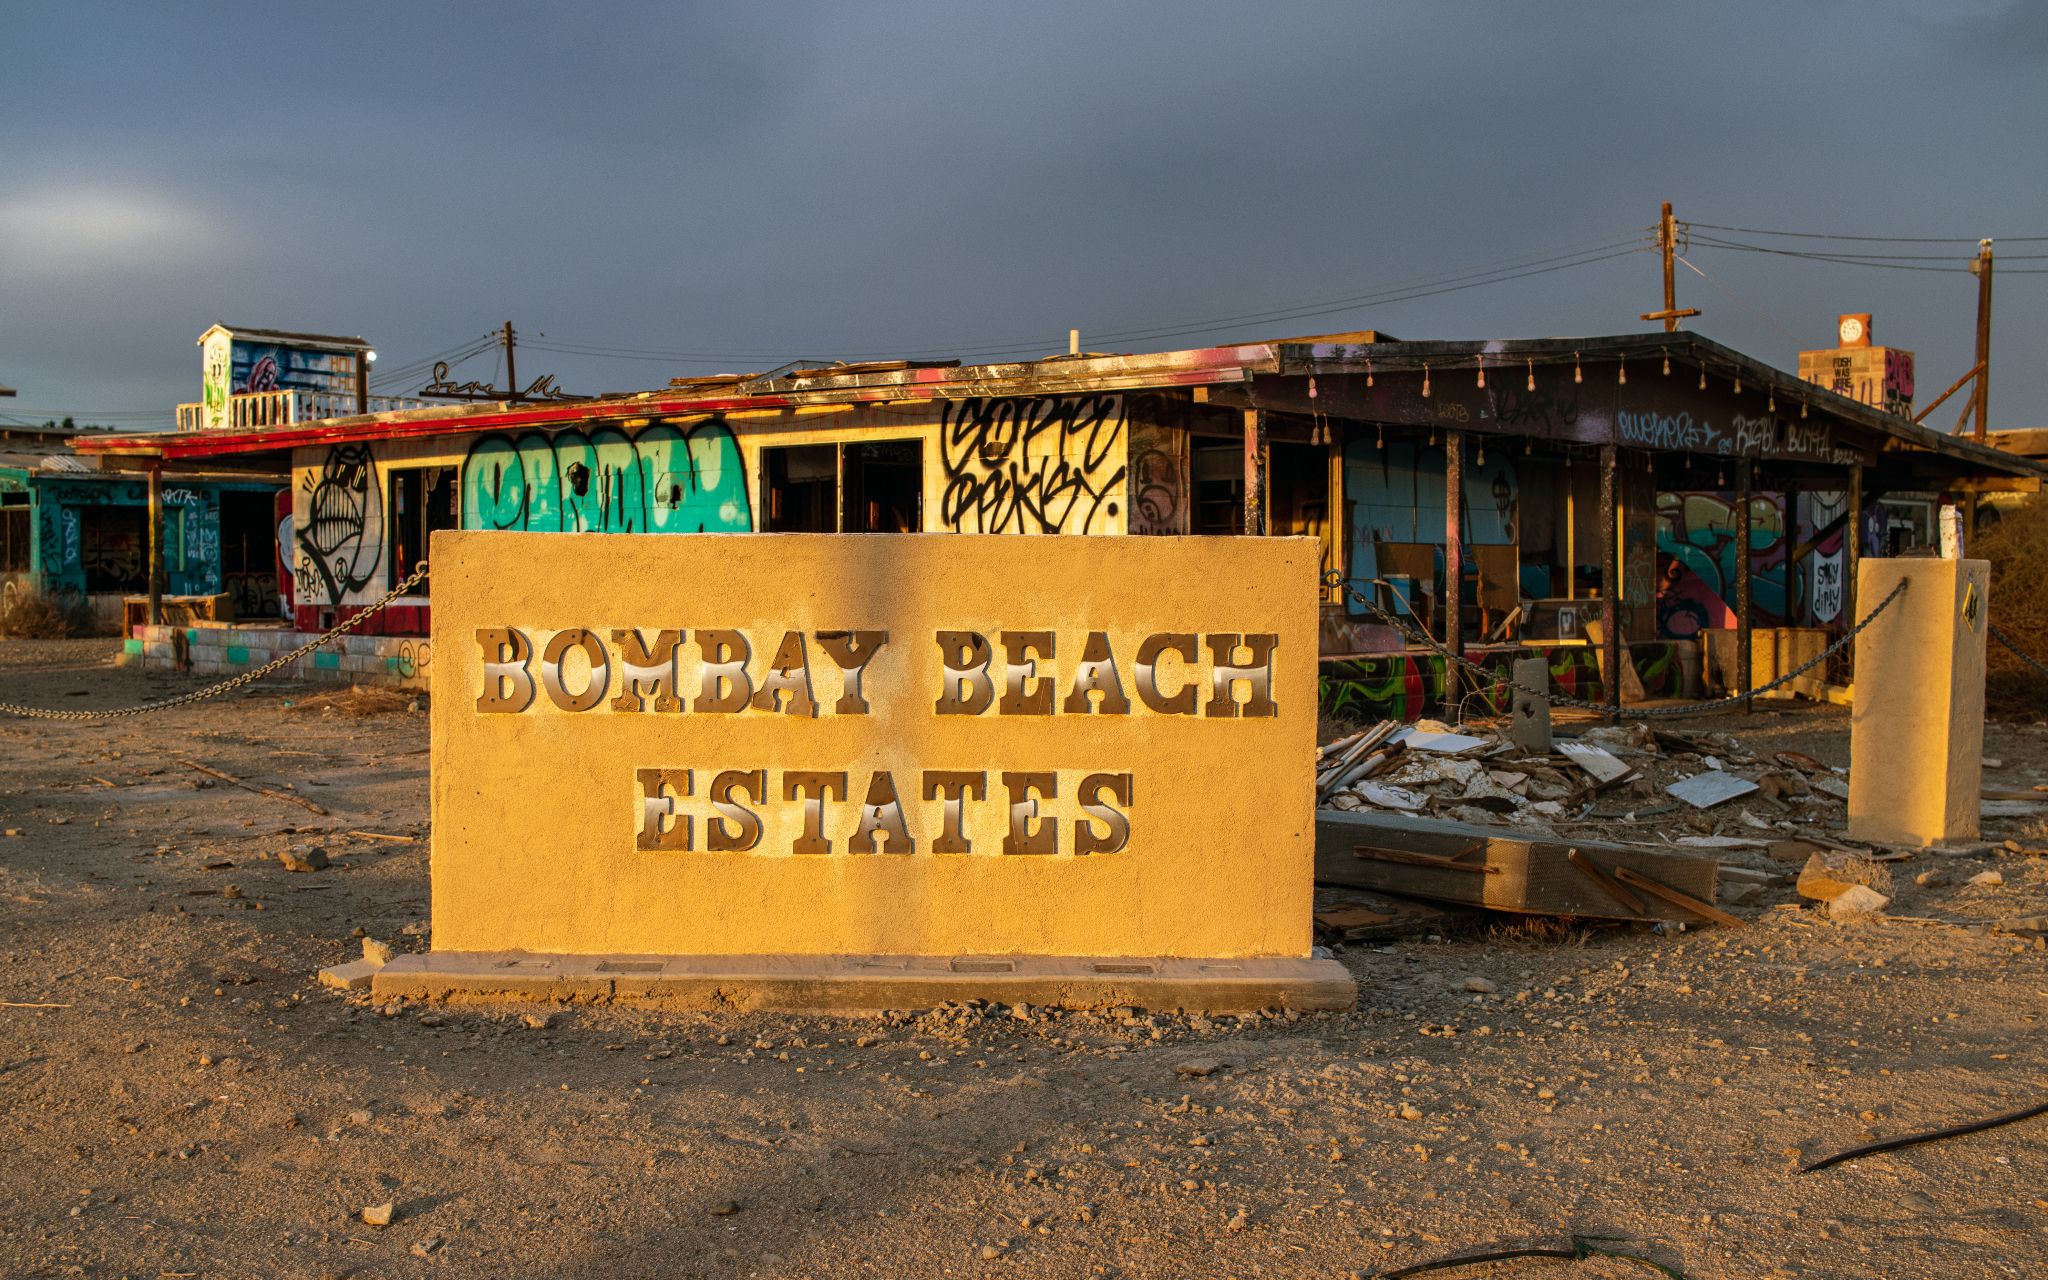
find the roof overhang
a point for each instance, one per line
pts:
(1082, 375)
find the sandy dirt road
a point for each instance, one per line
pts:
(197, 1106)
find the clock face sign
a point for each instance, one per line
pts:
(1855, 330)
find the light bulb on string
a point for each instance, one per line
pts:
(1621, 374)
(1577, 374)
(1479, 459)
(1425, 383)
(1482, 374)
(1703, 377)
(1368, 371)
(1802, 408)
(1738, 384)
(1532, 375)
(1667, 364)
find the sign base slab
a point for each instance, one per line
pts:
(859, 984)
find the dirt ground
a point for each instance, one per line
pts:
(191, 1103)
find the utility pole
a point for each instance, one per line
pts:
(1667, 240)
(511, 374)
(1981, 268)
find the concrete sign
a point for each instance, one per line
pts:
(879, 755)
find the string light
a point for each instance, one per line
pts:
(1703, 377)
(1380, 435)
(1577, 376)
(1738, 384)
(1482, 373)
(1802, 408)
(1425, 391)
(1480, 460)
(1771, 401)
(1368, 371)
(1532, 375)
(1667, 364)
(1621, 375)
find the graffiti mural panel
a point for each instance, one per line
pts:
(662, 479)
(340, 529)
(1041, 464)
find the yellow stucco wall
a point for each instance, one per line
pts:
(542, 835)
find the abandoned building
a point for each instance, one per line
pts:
(1582, 499)
(75, 531)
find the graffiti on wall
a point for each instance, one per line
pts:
(1898, 382)
(217, 357)
(661, 479)
(1157, 480)
(339, 540)
(258, 366)
(1040, 464)
(1741, 436)
(1697, 549)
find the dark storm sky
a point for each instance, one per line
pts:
(763, 182)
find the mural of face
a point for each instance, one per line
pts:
(341, 501)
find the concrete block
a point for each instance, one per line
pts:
(355, 975)
(869, 983)
(1916, 737)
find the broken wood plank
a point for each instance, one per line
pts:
(1706, 910)
(1608, 883)
(230, 778)
(1534, 877)
(1450, 863)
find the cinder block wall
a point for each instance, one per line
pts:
(400, 662)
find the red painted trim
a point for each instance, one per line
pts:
(1200, 367)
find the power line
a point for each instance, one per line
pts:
(1818, 235)
(1511, 269)
(1880, 261)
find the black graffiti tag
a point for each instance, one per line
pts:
(1048, 464)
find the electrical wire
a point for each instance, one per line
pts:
(1515, 269)
(1818, 235)
(1881, 261)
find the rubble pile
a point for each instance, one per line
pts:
(1701, 790)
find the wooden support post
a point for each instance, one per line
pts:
(1255, 472)
(1453, 627)
(1852, 556)
(156, 544)
(1336, 516)
(362, 382)
(1791, 527)
(1744, 663)
(1612, 652)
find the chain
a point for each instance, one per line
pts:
(417, 576)
(2016, 651)
(1494, 679)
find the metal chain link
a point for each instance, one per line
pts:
(2016, 651)
(1495, 680)
(417, 576)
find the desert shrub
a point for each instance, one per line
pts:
(2017, 547)
(31, 615)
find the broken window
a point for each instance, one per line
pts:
(422, 500)
(882, 490)
(1218, 467)
(113, 548)
(14, 533)
(884, 486)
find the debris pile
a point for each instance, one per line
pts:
(1701, 791)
